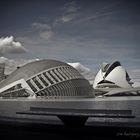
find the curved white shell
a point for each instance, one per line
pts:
(116, 76)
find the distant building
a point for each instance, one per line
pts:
(47, 78)
(112, 76)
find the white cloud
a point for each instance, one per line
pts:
(86, 72)
(44, 30)
(47, 35)
(9, 45)
(70, 12)
(79, 67)
(135, 74)
(135, 77)
(95, 17)
(38, 25)
(68, 17)
(71, 7)
(100, 13)
(136, 84)
(12, 64)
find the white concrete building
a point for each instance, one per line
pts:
(112, 76)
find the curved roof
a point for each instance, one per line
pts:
(31, 69)
(112, 66)
(113, 73)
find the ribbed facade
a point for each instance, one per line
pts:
(59, 81)
(52, 80)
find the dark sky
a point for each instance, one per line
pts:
(86, 31)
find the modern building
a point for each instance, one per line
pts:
(112, 76)
(57, 86)
(47, 78)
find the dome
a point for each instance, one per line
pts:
(113, 76)
(49, 78)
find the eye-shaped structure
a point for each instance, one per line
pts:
(49, 78)
(112, 76)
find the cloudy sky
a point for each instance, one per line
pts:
(85, 31)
